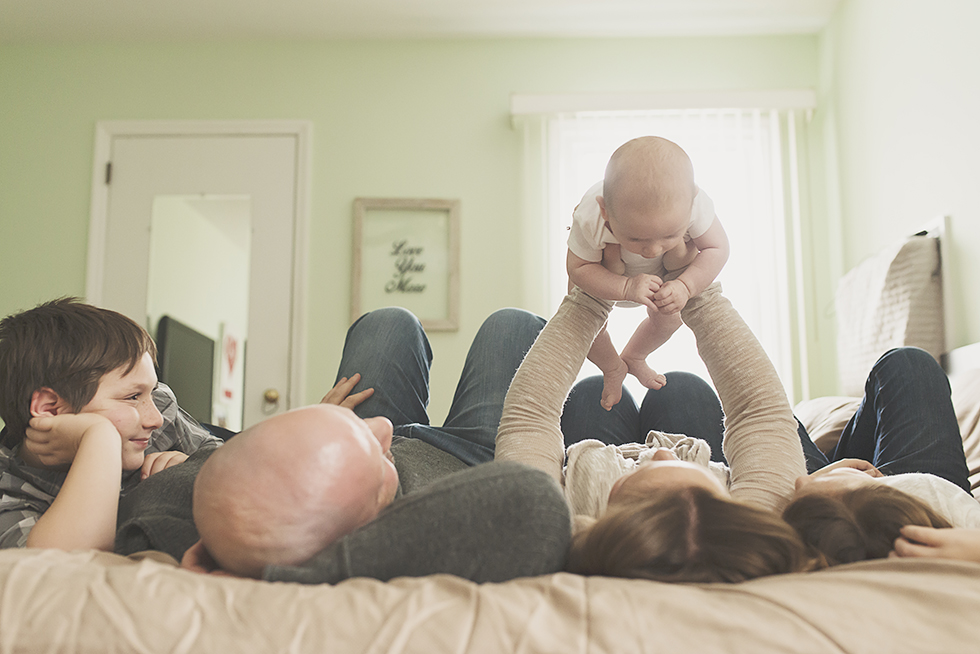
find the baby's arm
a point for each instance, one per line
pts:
(612, 259)
(83, 515)
(713, 250)
(915, 541)
(595, 280)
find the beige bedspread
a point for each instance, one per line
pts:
(92, 602)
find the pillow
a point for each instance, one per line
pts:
(824, 418)
(966, 402)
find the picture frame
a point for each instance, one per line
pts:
(406, 253)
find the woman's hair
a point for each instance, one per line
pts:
(687, 535)
(858, 524)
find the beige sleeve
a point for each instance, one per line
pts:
(761, 442)
(530, 427)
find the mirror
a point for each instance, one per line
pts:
(199, 266)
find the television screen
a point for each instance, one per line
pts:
(186, 364)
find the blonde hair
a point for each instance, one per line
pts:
(858, 524)
(687, 535)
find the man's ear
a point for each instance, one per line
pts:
(198, 559)
(46, 402)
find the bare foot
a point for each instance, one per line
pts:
(612, 385)
(644, 373)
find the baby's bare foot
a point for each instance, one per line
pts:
(612, 385)
(644, 373)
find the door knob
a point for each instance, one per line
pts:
(271, 396)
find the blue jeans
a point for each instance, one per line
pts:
(905, 423)
(390, 350)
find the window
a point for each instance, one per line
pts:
(742, 159)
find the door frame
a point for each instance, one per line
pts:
(301, 130)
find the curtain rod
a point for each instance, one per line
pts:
(557, 103)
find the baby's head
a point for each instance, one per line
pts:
(647, 194)
(281, 491)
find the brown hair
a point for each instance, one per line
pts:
(687, 535)
(67, 346)
(858, 524)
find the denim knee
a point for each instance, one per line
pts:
(690, 382)
(908, 361)
(510, 319)
(388, 318)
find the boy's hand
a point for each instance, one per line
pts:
(340, 394)
(157, 461)
(642, 289)
(54, 440)
(672, 296)
(915, 541)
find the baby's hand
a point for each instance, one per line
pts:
(672, 296)
(158, 461)
(55, 439)
(642, 289)
(915, 541)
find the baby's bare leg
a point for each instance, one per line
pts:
(680, 256)
(653, 332)
(614, 369)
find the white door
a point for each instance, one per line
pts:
(257, 170)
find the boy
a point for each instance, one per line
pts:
(645, 223)
(82, 408)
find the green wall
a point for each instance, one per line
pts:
(425, 118)
(899, 86)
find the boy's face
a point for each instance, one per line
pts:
(648, 234)
(126, 400)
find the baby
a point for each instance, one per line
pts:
(644, 235)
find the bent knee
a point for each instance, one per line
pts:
(912, 359)
(388, 318)
(511, 318)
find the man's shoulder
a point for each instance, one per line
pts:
(419, 464)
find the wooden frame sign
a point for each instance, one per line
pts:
(406, 253)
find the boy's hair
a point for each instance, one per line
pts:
(858, 524)
(688, 535)
(67, 346)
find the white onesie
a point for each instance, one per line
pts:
(589, 234)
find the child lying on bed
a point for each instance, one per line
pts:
(899, 462)
(85, 420)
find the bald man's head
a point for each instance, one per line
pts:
(281, 491)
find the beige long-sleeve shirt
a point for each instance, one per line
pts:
(761, 443)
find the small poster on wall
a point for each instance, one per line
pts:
(406, 253)
(231, 379)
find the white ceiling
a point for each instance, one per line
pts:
(139, 20)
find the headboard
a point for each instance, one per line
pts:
(898, 296)
(962, 359)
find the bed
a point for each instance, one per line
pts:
(97, 602)
(90, 601)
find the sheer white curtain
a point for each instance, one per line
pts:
(739, 161)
